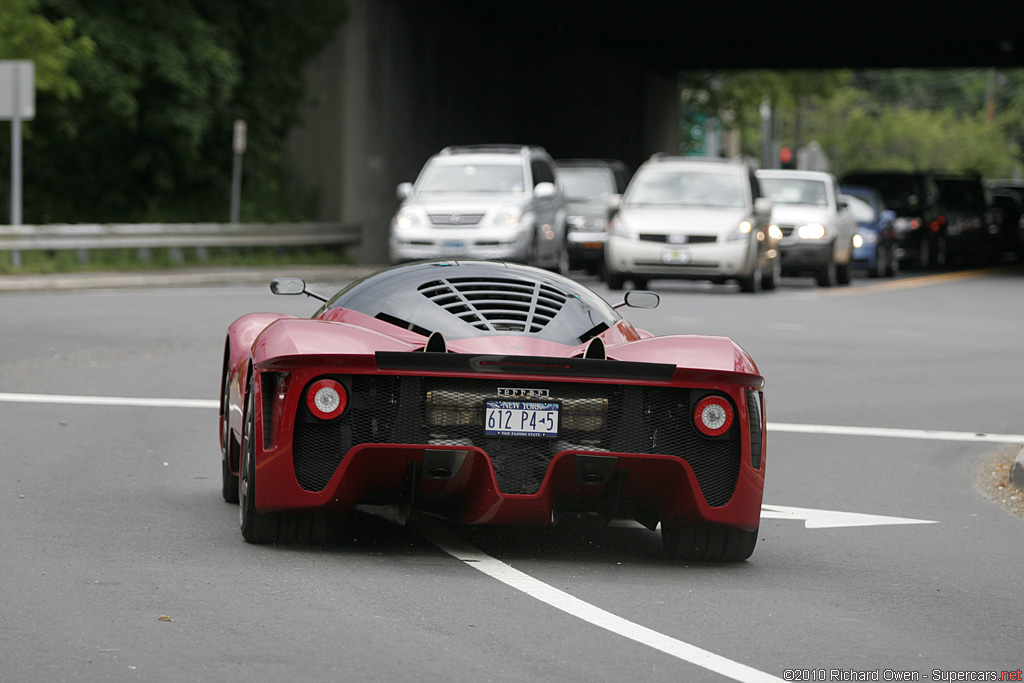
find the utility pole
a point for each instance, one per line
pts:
(990, 95)
(238, 145)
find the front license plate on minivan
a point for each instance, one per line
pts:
(675, 256)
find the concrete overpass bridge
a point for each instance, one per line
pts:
(584, 78)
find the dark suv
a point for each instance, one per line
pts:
(921, 229)
(971, 221)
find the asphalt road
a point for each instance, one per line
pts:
(121, 562)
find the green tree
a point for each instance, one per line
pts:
(149, 137)
(53, 45)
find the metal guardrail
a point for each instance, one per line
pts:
(83, 237)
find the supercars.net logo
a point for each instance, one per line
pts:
(510, 391)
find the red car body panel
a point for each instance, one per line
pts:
(281, 355)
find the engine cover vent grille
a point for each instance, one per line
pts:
(497, 304)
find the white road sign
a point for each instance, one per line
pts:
(23, 72)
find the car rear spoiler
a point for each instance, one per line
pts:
(524, 365)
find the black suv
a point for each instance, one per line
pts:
(971, 222)
(921, 229)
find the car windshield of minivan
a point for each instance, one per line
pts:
(586, 183)
(687, 188)
(473, 178)
(795, 191)
(861, 210)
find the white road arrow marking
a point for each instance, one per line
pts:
(826, 519)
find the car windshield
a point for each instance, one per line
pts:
(687, 188)
(861, 210)
(581, 184)
(898, 191)
(795, 191)
(472, 178)
(960, 193)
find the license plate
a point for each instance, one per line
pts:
(676, 256)
(521, 418)
(453, 246)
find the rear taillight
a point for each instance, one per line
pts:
(713, 415)
(326, 399)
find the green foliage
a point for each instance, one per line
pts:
(891, 119)
(147, 134)
(857, 132)
(26, 34)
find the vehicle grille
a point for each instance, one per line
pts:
(455, 220)
(450, 412)
(689, 239)
(497, 304)
(668, 266)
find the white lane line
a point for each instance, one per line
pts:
(834, 430)
(559, 599)
(886, 432)
(110, 401)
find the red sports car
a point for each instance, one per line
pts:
(489, 393)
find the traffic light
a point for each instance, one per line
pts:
(787, 159)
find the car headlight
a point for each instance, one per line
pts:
(586, 223)
(866, 237)
(775, 232)
(811, 231)
(741, 231)
(508, 216)
(408, 218)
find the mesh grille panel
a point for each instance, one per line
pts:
(318, 450)
(450, 411)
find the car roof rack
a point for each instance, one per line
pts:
(664, 156)
(486, 149)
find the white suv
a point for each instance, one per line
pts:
(817, 227)
(697, 219)
(491, 202)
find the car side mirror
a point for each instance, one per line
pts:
(403, 191)
(288, 286)
(887, 216)
(544, 190)
(642, 299)
(763, 205)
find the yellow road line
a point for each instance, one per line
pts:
(907, 283)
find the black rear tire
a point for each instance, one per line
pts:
(615, 281)
(270, 527)
(229, 480)
(827, 275)
(844, 273)
(708, 544)
(772, 276)
(754, 283)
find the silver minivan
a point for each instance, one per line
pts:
(693, 218)
(487, 202)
